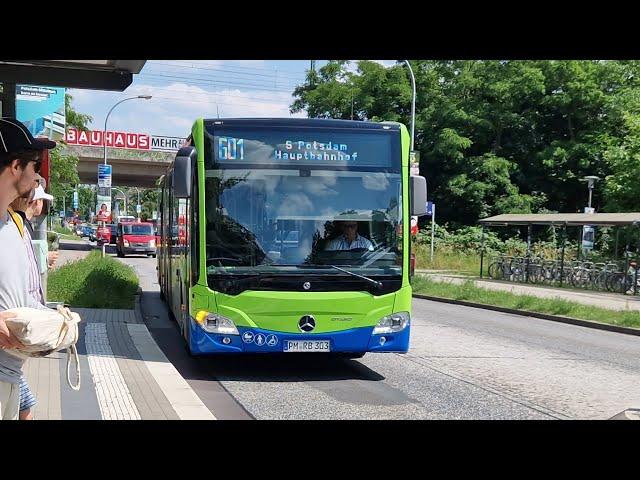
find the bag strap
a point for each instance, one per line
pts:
(71, 350)
(17, 219)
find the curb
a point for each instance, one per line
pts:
(137, 307)
(543, 316)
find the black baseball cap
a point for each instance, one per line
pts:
(15, 137)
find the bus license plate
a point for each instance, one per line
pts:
(306, 346)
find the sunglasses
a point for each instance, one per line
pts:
(37, 165)
(350, 225)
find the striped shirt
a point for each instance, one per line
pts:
(34, 279)
(341, 243)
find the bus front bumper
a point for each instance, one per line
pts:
(255, 340)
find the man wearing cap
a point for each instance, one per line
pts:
(20, 161)
(28, 208)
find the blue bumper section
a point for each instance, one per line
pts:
(255, 340)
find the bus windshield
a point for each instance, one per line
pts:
(281, 221)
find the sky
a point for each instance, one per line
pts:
(184, 90)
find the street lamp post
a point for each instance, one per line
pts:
(104, 141)
(413, 104)
(413, 130)
(591, 179)
(588, 233)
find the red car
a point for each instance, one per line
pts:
(136, 237)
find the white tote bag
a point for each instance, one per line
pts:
(43, 332)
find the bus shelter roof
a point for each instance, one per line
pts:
(89, 74)
(568, 219)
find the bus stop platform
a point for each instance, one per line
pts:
(611, 301)
(124, 376)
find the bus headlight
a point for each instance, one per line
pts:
(396, 322)
(216, 323)
(126, 243)
(152, 243)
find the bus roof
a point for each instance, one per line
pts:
(296, 122)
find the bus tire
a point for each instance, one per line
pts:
(351, 355)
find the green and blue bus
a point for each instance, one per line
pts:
(289, 235)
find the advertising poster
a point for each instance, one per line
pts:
(41, 110)
(103, 205)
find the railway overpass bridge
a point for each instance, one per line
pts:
(131, 168)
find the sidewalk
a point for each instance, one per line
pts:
(611, 301)
(125, 376)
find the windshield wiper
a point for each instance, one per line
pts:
(370, 280)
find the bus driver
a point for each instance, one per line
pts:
(349, 239)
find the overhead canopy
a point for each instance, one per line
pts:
(88, 74)
(569, 219)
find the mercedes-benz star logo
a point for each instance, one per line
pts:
(307, 323)
(306, 285)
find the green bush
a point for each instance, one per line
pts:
(94, 282)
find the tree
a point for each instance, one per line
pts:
(63, 173)
(500, 136)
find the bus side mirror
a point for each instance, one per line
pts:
(182, 172)
(418, 195)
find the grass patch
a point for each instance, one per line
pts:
(467, 291)
(93, 282)
(467, 264)
(65, 233)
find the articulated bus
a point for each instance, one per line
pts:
(289, 235)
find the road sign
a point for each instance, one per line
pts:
(75, 199)
(588, 237)
(138, 208)
(104, 175)
(429, 208)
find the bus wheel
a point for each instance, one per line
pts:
(351, 355)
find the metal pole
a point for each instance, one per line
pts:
(481, 250)
(635, 275)
(590, 193)
(526, 273)
(433, 228)
(615, 253)
(8, 98)
(564, 242)
(579, 242)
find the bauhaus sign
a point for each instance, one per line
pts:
(135, 141)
